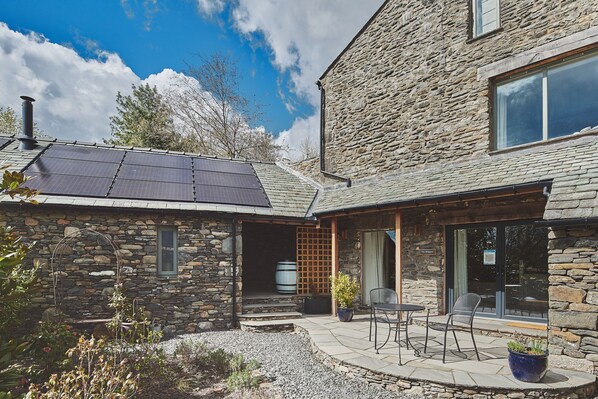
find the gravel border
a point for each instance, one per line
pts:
(286, 358)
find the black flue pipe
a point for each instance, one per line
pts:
(26, 136)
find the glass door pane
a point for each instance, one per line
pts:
(476, 266)
(526, 271)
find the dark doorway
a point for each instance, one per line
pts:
(264, 245)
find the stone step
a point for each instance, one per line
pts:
(269, 316)
(275, 298)
(267, 325)
(283, 307)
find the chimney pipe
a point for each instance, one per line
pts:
(26, 136)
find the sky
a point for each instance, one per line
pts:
(74, 56)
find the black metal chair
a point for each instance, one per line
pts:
(463, 312)
(381, 296)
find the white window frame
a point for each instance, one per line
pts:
(544, 71)
(175, 252)
(474, 13)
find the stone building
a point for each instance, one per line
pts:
(460, 154)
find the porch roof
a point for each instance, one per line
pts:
(571, 166)
(289, 195)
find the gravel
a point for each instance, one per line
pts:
(287, 359)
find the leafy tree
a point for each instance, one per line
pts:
(16, 284)
(144, 120)
(216, 118)
(11, 123)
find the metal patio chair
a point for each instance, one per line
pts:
(381, 296)
(463, 312)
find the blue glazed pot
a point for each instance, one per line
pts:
(528, 368)
(345, 314)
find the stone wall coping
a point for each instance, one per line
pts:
(541, 53)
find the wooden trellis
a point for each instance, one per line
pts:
(314, 259)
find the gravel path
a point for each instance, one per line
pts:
(288, 360)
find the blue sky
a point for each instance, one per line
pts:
(74, 56)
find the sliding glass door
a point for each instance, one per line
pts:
(507, 265)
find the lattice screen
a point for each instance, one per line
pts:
(314, 259)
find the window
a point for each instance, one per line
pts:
(167, 251)
(486, 16)
(552, 102)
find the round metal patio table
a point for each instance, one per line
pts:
(398, 308)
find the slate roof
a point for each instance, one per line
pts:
(571, 166)
(289, 195)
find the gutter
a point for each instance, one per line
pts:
(234, 271)
(487, 192)
(568, 222)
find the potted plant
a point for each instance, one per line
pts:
(528, 358)
(344, 290)
(316, 303)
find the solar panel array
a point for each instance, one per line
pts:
(106, 173)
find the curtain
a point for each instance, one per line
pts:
(460, 283)
(373, 262)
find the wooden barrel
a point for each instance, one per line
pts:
(286, 277)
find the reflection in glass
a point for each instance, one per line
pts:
(526, 271)
(573, 97)
(519, 111)
(475, 272)
(167, 251)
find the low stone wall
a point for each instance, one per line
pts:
(198, 297)
(573, 294)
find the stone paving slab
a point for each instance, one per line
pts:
(461, 369)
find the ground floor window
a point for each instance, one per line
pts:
(506, 264)
(378, 261)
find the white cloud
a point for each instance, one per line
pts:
(293, 138)
(75, 96)
(210, 7)
(304, 37)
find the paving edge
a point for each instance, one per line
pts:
(434, 389)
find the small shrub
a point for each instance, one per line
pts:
(11, 374)
(344, 289)
(242, 376)
(97, 375)
(50, 342)
(527, 345)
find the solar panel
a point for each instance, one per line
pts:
(84, 186)
(212, 165)
(231, 195)
(84, 153)
(226, 179)
(149, 173)
(159, 160)
(61, 166)
(151, 190)
(4, 141)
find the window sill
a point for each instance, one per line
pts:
(167, 276)
(485, 35)
(593, 132)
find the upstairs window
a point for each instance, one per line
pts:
(486, 16)
(551, 102)
(167, 251)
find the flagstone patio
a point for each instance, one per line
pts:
(345, 347)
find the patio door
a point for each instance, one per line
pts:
(506, 264)
(378, 262)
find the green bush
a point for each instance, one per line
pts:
(50, 342)
(344, 289)
(241, 374)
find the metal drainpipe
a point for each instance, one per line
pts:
(234, 272)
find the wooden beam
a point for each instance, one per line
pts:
(398, 257)
(497, 213)
(335, 263)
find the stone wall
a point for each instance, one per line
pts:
(406, 93)
(422, 274)
(573, 315)
(199, 296)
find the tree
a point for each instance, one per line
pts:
(12, 124)
(307, 148)
(216, 117)
(144, 120)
